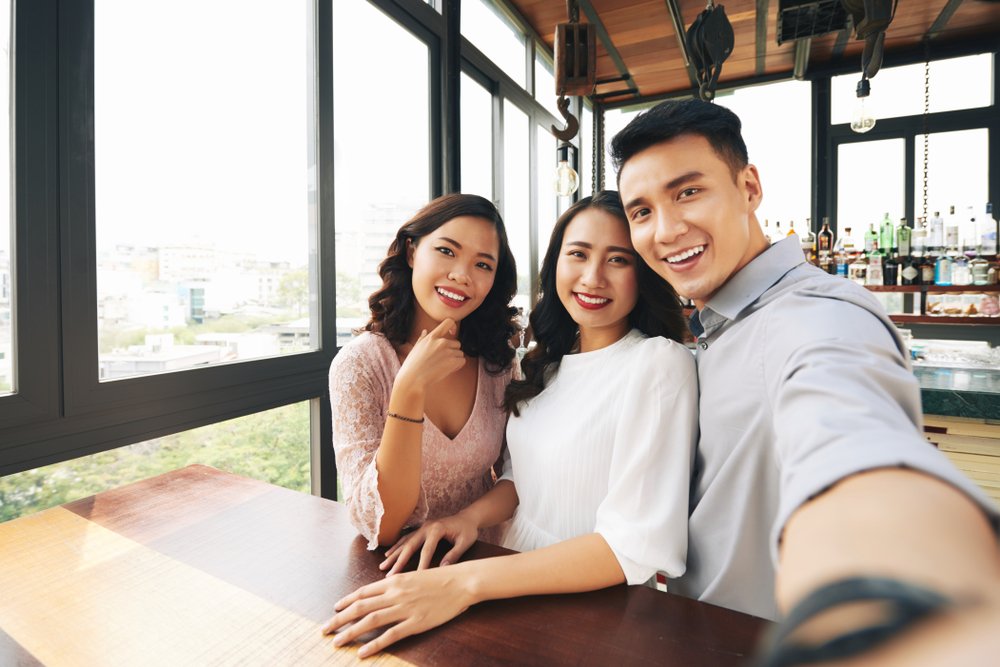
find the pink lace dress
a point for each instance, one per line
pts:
(454, 472)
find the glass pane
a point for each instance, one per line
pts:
(272, 446)
(204, 184)
(779, 145)
(6, 229)
(586, 152)
(957, 83)
(477, 138)
(545, 87)
(516, 196)
(957, 166)
(546, 169)
(381, 145)
(615, 121)
(490, 31)
(870, 182)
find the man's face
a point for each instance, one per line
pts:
(690, 220)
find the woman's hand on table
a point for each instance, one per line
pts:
(409, 603)
(458, 529)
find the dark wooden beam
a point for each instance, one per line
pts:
(761, 38)
(609, 46)
(678, 20)
(942, 19)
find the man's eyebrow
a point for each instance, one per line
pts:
(459, 246)
(674, 183)
(610, 248)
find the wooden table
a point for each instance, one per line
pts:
(201, 567)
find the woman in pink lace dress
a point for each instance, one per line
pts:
(417, 398)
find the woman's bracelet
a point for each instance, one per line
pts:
(406, 419)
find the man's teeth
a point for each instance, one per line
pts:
(690, 252)
(451, 295)
(595, 300)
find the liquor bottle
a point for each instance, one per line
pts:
(766, 229)
(858, 269)
(887, 235)
(951, 238)
(961, 272)
(936, 239)
(776, 233)
(942, 270)
(988, 233)
(890, 270)
(874, 273)
(903, 236)
(928, 268)
(807, 240)
(919, 238)
(969, 233)
(980, 269)
(871, 239)
(791, 228)
(824, 239)
(910, 270)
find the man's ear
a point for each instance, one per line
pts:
(750, 180)
(409, 252)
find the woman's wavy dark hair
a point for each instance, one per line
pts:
(487, 331)
(657, 310)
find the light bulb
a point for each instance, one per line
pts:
(863, 119)
(567, 181)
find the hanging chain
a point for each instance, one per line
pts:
(927, 110)
(597, 150)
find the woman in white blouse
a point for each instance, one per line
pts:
(601, 442)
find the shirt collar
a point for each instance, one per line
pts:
(750, 282)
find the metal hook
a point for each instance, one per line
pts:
(572, 124)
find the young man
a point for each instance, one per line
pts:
(811, 467)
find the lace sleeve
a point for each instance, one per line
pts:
(357, 399)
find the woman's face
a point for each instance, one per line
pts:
(595, 274)
(453, 269)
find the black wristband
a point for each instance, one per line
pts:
(905, 605)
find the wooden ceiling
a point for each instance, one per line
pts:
(639, 39)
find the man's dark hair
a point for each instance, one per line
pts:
(674, 118)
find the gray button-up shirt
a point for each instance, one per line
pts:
(804, 381)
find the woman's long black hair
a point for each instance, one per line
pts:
(657, 310)
(487, 330)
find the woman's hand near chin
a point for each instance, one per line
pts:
(407, 604)
(459, 529)
(435, 356)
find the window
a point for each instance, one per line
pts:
(7, 384)
(381, 147)
(958, 83)
(586, 138)
(957, 167)
(547, 198)
(615, 121)
(545, 86)
(779, 145)
(865, 194)
(272, 446)
(203, 185)
(517, 196)
(477, 138)
(489, 29)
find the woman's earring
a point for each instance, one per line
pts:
(522, 323)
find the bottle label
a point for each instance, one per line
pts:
(909, 273)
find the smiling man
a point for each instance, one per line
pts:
(812, 478)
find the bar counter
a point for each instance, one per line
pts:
(199, 567)
(960, 392)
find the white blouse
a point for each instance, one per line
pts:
(608, 447)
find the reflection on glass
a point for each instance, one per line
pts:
(957, 168)
(204, 183)
(546, 170)
(778, 144)
(381, 147)
(477, 138)
(516, 195)
(485, 25)
(7, 383)
(957, 83)
(869, 183)
(272, 446)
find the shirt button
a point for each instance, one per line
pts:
(703, 345)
